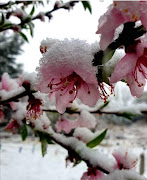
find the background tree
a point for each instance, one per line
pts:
(10, 47)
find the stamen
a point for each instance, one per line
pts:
(103, 93)
(69, 84)
(71, 91)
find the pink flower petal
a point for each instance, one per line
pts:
(123, 67)
(125, 159)
(65, 124)
(63, 99)
(96, 175)
(134, 88)
(106, 39)
(88, 94)
(13, 105)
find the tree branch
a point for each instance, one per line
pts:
(60, 139)
(47, 14)
(99, 111)
(15, 98)
(10, 3)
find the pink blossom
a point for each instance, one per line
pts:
(66, 125)
(20, 14)
(13, 125)
(41, 16)
(66, 70)
(125, 159)
(34, 109)
(8, 84)
(118, 13)
(85, 119)
(92, 174)
(133, 67)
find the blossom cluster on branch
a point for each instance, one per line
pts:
(72, 78)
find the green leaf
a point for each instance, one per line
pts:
(24, 132)
(77, 162)
(108, 53)
(7, 25)
(49, 141)
(43, 146)
(24, 36)
(31, 29)
(96, 141)
(86, 5)
(101, 76)
(2, 19)
(128, 115)
(32, 11)
(104, 105)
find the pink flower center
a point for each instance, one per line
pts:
(70, 84)
(141, 65)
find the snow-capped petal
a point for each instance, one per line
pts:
(123, 67)
(64, 124)
(92, 174)
(64, 69)
(125, 159)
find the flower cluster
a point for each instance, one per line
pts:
(118, 13)
(133, 67)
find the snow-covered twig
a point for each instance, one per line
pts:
(79, 150)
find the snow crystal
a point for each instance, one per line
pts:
(41, 123)
(84, 134)
(6, 95)
(124, 175)
(75, 55)
(29, 77)
(46, 44)
(20, 112)
(87, 119)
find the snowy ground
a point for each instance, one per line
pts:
(23, 160)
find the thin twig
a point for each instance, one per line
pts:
(64, 6)
(14, 98)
